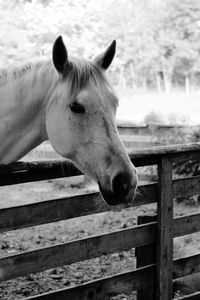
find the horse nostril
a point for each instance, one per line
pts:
(120, 184)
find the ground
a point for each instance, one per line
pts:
(50, 234)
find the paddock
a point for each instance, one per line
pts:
(154, 274)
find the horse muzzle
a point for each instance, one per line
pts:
(122, 189)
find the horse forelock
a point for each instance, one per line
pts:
(82, 73)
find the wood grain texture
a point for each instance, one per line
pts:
(49, 211)
(103, 289)
(84, 204)
(186, 225)
(164, 241)
(188, 186)
(67, 253)
(186, 266)
(195, 296)
(65, 208)
(152, 155)
(75, 206)
(20, 172)
(50, 257)
(145, 255)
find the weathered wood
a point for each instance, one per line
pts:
(164, 249)
(188, 284)
(49, 211)
(32, 262)
(125, 239)
(21, 172)
(188, 186)
(50, 257)
(75, 206)
(149, 156)
(146, 194)
(104, 288)
(186, 156)
(165, 150)
(195, 296)
(186, 266)
(67, 253)
(186, 225)
(145, 255)
(65, 208)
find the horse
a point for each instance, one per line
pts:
(71, 103)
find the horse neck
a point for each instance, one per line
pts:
(22, 113)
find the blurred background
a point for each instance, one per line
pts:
(157, 67)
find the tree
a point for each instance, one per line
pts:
(158, 42)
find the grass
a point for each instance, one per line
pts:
(177, 107)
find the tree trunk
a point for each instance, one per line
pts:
(158, 82)
(122, 83)
(144, 81)
(133, 83)
(167, 82)
(187, 84)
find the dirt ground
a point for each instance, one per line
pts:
(14, 242)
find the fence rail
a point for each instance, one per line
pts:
(159, 275)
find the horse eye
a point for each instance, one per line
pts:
(77, 108)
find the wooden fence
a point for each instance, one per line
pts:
(158, 275)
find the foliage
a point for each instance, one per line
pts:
(153, 118)
(158, 41)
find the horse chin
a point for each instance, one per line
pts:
(113, 199)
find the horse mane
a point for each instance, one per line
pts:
(10, 74)
(81, 73)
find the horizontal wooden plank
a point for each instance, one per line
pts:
(149, 156)
(21, 172)
(67, 253)
(195, 296)
(110, 286)
(65, 208)
(103, 288)
(145, 194)
(186, 156)
(189, 283)
(49, 211)
(186, 266)
(125, 282)
(186, 186)
(84, 204)
(186, 225)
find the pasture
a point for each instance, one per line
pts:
(172, 108)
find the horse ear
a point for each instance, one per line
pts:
(60, 56)
(104, 60)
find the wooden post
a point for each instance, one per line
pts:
(145, 255)
(164, 251)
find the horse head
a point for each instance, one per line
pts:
(80, 123)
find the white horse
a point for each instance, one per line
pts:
(70, 103)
